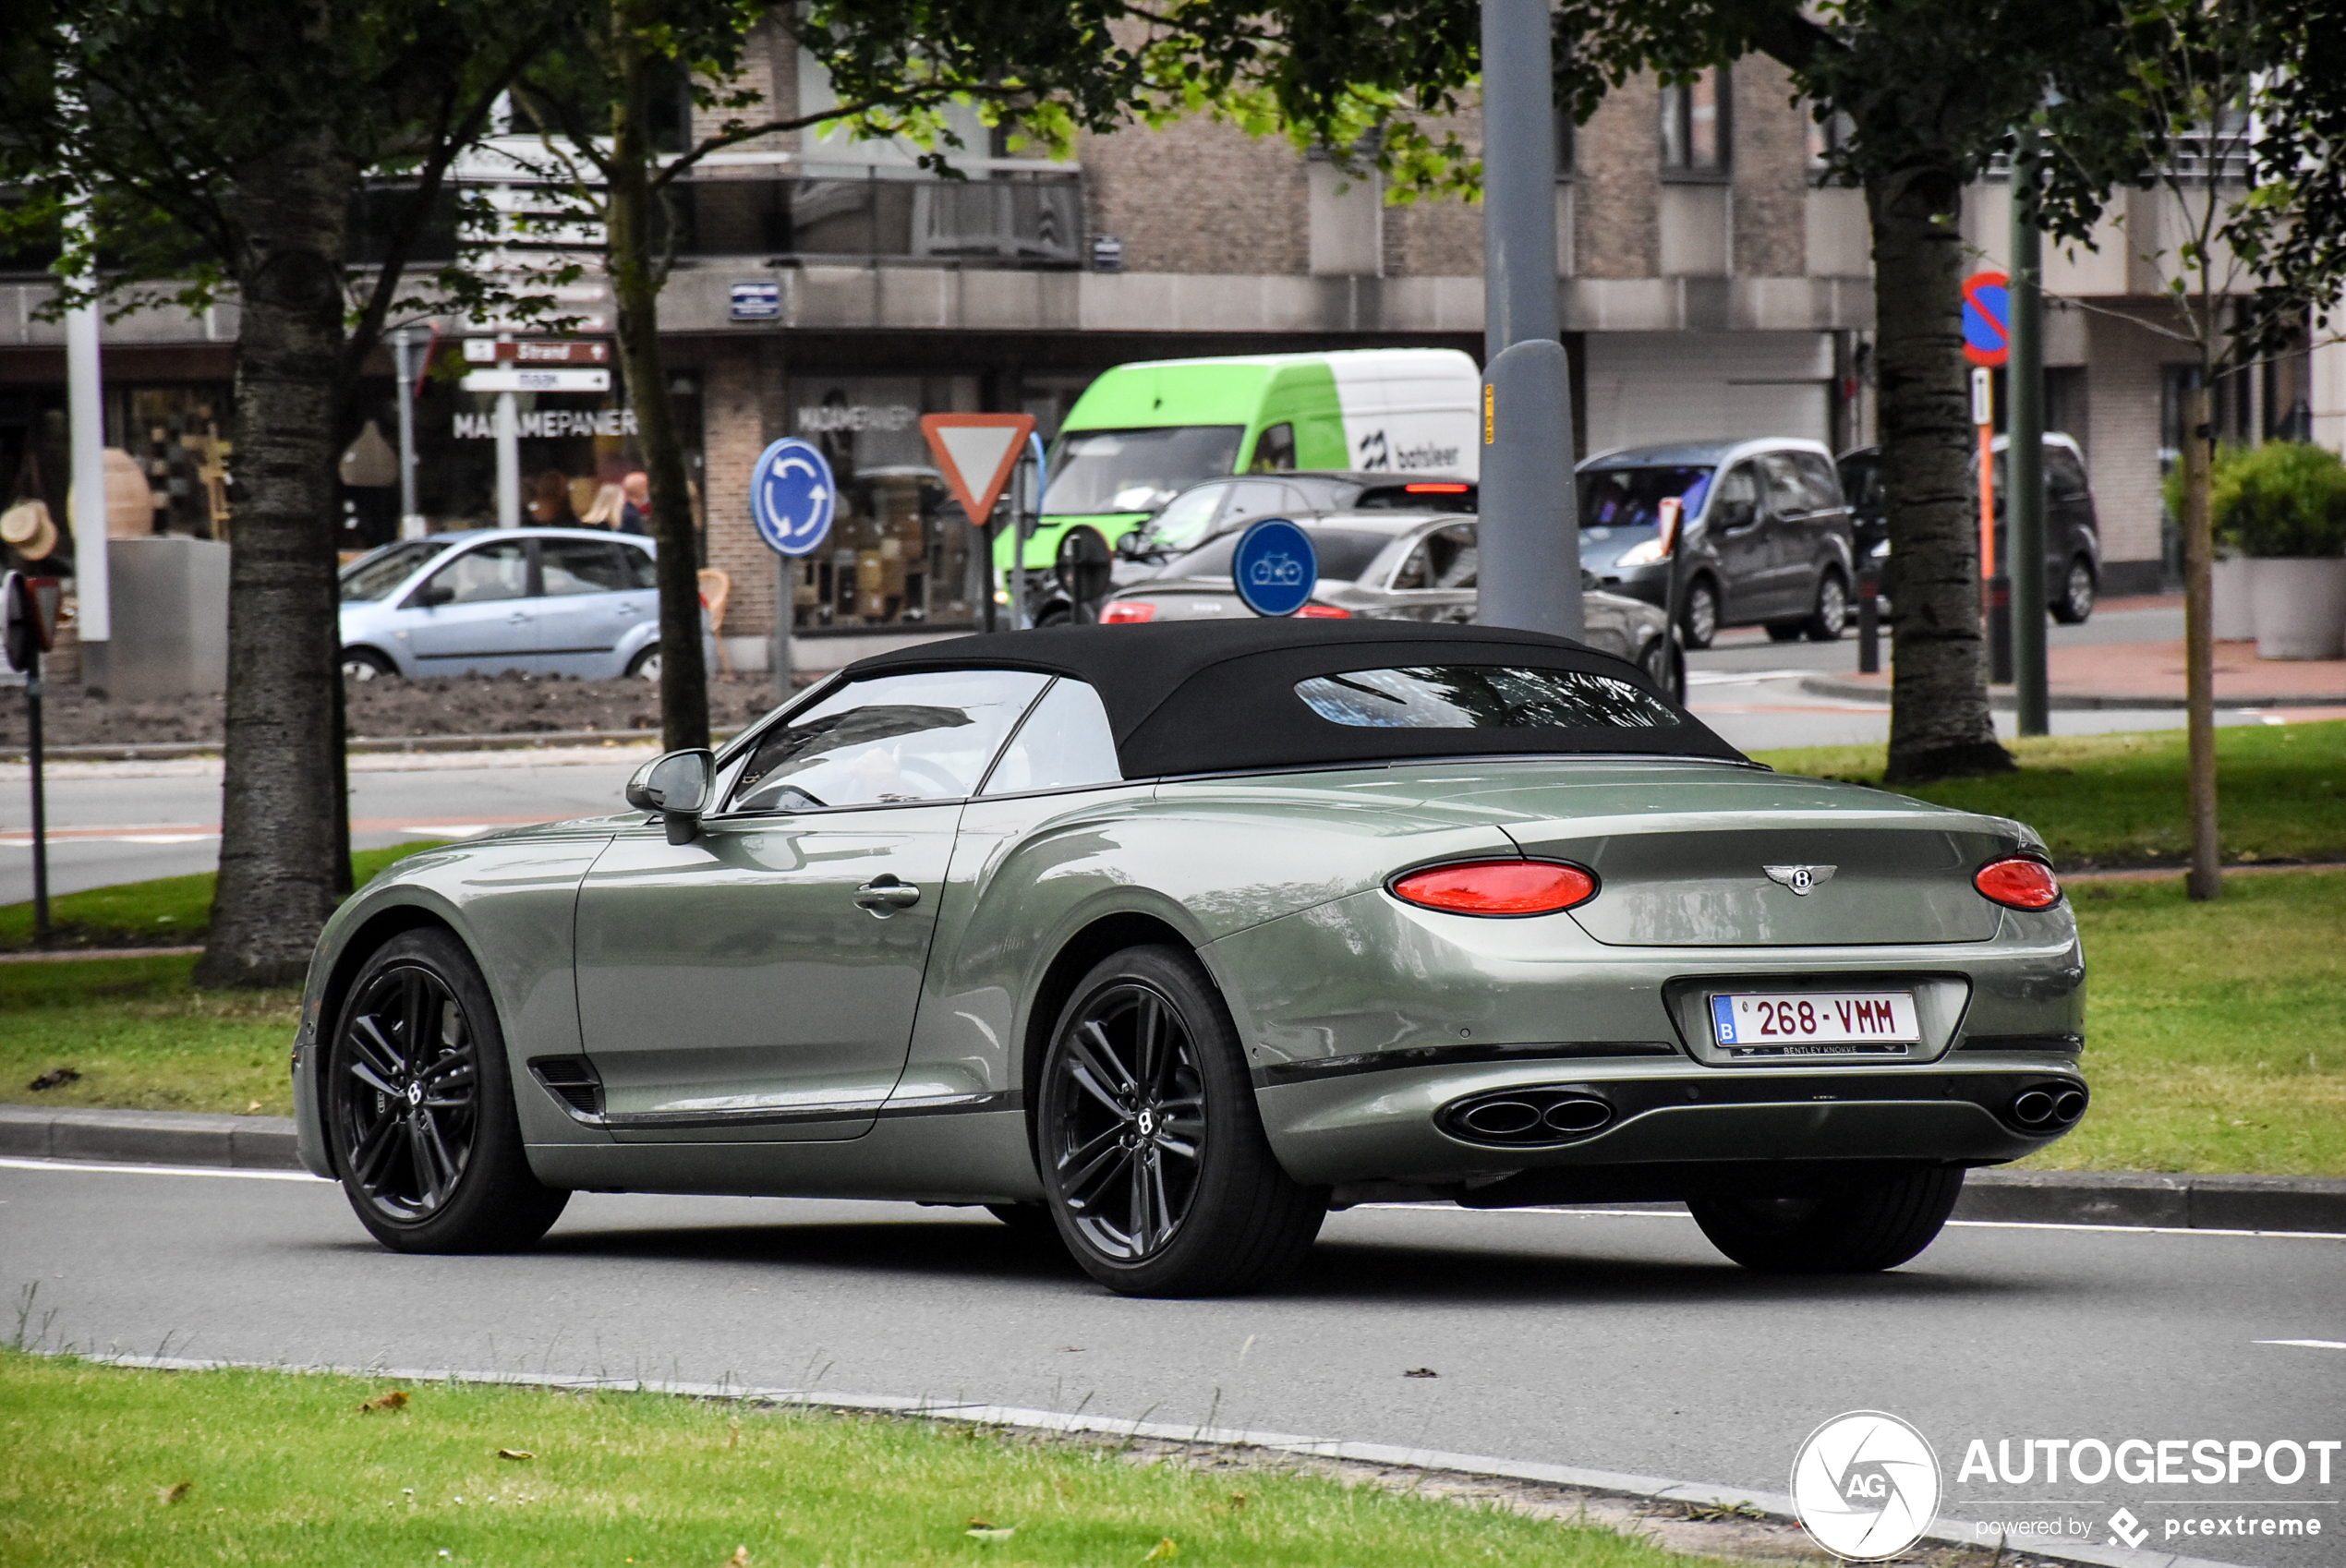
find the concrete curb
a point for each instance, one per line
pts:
(2061, 1198)
(1947, 1529)
(2066, 702)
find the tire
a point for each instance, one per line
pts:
(1831, 617)
(2078, 593)
(1698, 617)
(366, 664)
(1862, 1228)
(430, 1157)
(645, 666)
(1158, 1175)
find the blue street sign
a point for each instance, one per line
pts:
(792, 498)
(1275, 567)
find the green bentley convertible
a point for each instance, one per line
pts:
(1169, 939)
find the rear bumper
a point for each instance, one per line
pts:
(1664, 1114)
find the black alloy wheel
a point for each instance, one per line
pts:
(2078, 593)
(1698, 617)
(1863, 1225)
(1831, 614)
(1159, 1176)
(419, 1109)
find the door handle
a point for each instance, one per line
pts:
(518, 618)
(884, 895)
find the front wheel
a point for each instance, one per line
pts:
(1698, 617)
(419, 1107)
(645, 666)
(1862, 1226)
(366, 664)
(2078, 592)
(1831, 614)
(1159, 1176)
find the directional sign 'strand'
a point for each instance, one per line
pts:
(791, 497)
(977, 452)
(1987, 318)
(1275, 567)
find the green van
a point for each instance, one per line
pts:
(1145, 432)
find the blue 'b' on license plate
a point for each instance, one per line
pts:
(1723, 1019)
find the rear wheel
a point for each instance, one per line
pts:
(1159, 1176)
(1831, 614)
(419, 1107)
(1698, 617)
(645, 666)
(1863, 1226)
(2078, 592)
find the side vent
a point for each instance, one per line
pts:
(572, 1081)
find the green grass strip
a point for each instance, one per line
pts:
(2120, 799)
(168, 911)
(116, 1465)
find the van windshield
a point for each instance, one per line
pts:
(1631, 498)
(1096, 471)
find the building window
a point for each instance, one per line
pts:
(1695, 130)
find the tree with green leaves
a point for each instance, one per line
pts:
(216, 145)
(2233, 116)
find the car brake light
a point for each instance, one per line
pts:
(1435, 490)
(2019, 884)
(1497, 888)
(1127, 612)
(1323, 612)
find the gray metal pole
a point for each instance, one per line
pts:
(2026, 505)
(1530, 534)
(785, 612)
(402, 345)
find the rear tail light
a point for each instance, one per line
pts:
(1127, 612)
(1497, 888)
(1435, 490)
(1323, 612)
(2019, 884)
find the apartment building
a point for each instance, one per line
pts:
(1708, 286)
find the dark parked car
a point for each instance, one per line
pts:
(1768, 539)
(2073, 534)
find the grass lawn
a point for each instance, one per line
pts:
(2215, 1033)
(119, 1465)
(169, 911)
(2119, 800)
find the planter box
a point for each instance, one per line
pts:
(2301, 608)
(2235, 604)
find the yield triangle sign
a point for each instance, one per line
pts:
(977, 452)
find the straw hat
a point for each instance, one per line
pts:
(27, 530)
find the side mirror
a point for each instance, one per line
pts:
(1737, 515)
(676, 786)
(431, 594)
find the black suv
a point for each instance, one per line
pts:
(2073, 534)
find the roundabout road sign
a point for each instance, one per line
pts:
(1275, 567)
(791, 497)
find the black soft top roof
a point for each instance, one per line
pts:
(1219, 696)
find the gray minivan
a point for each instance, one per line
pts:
(1768, 539)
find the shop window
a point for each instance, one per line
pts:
(900, 553)
(180, 438)
(1695, 129)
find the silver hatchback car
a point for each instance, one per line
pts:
(548, 601)
(1393, 566)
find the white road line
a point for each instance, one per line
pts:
(2305, 1343)
(16, 1165)
(1738, 677)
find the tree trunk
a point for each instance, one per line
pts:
(279, 806)
(635, 283)
(1940, 723)
(2206, 877)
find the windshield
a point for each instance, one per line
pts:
(1344, 554)
(1629, 498)
(372, 576)
(1096, 470)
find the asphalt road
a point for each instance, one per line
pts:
(1617, 1342)
(125, 822)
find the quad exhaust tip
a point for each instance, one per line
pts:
(1527, 1117)
(2047, 1106)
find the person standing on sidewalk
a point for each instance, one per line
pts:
(635, 517)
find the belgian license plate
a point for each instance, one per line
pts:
(1816, 1023)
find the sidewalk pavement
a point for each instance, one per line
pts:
(2151, 675)
(2073, 1197)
